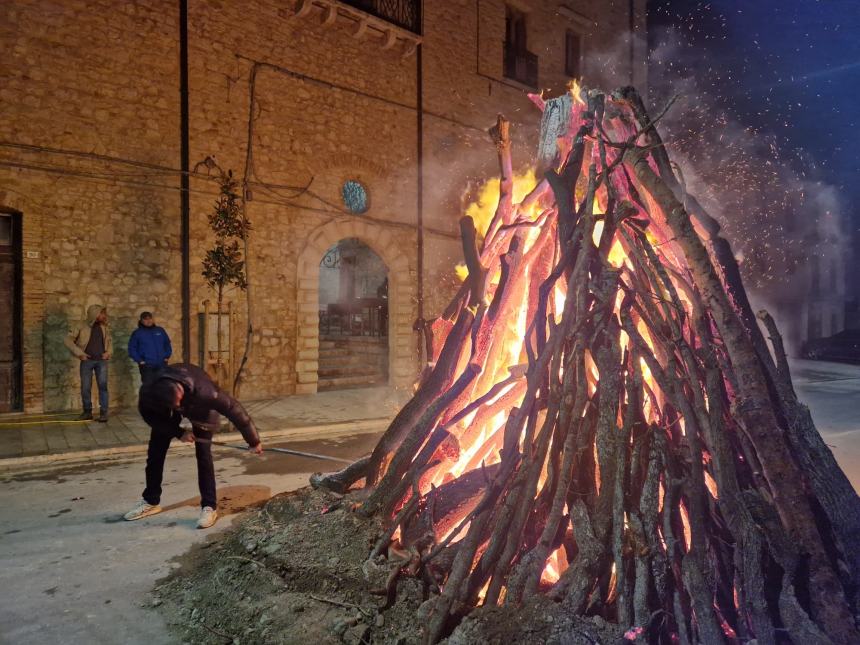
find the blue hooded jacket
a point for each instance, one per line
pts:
(150, 345)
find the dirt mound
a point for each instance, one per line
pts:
(291, 572)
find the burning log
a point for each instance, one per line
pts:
(604, 422)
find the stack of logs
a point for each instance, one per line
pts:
(640, 454)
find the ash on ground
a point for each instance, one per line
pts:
(291, 573)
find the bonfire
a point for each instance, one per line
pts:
(602, 420)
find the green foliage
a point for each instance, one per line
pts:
(223, 265)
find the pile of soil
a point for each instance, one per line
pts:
(291, 572)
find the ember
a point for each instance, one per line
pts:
(602, 421)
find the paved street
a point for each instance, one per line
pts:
(73, 573)
(832, 392)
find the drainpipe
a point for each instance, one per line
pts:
(420, 193)
(185, 203)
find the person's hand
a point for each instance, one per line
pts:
(105, 356)
(143, 362)
(83, 357)
(257, 450)
(187, 436)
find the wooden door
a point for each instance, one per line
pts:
(10, 312)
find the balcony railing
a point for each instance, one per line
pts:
(403, 13)
(521, 66)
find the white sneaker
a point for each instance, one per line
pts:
(143, 509)
(208, 517)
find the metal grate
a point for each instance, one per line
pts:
(403, 13)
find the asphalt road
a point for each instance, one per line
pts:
(832, 392)
(71, 571)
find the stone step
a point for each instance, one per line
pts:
(350, 361)
(353, 359)
(333, 351)
(363, 341)
(349, 370)
(345, 382)
(351, 351)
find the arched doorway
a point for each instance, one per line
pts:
(353, 317)
(393, 249)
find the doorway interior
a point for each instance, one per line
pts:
(11, 325)
(353, 317)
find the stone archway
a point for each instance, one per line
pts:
(401, 295)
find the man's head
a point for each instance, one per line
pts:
(96, 314)
(146, 319)
(163, 393)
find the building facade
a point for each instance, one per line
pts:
(111, 110)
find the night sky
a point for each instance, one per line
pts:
(788, 68)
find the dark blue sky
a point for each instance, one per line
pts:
(786, 67)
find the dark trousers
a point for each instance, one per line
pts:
(163, 432)
(148, 373)
(101, 369)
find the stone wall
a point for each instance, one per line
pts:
(91, 103)
(84, 86)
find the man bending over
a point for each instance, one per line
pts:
(184, 390)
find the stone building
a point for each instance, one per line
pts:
(111, 108)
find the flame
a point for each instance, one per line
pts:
(559, 298)
(617, 255)
(480, 435)
(612, 590)
(575, 90)
(711, 485)
(685, 524)
(484, 207)
(483, 592)
(519, 421)
(556, 564)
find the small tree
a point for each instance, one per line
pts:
(224, 265)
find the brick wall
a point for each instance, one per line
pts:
(91, 101)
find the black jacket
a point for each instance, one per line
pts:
(202, 402)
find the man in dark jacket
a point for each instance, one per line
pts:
(149, 347)
(184, 390)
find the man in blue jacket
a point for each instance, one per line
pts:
(149, 347)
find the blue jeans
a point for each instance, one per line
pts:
(101, 370)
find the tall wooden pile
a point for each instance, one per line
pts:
(603, 421)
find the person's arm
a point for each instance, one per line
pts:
(107, 339)
(229, 407)
(70, 342)
(133, 347)
(168, 348)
